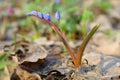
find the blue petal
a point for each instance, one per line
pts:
(47, 16)
(35, 13)
(57, 15)
(40, 14)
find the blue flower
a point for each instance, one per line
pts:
(34, 13)
(57, 15)
(47, 16)
(40, 15)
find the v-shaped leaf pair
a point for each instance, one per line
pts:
(78, 57)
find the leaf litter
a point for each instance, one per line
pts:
(39, 62)
(52, 65)
(32, 58)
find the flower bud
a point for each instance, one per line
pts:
(57, 15)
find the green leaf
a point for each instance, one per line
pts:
(3, 64)
(85, 16)
(85, 42)
(3, 57)
(110, 33)
(104, 4)
(63, 26)
(2, 72)
(83, 28)
(88, 37)
(71, 26)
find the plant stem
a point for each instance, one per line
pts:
(35, 29)
(58, 31)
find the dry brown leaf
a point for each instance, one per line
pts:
(21, 74)
(26, 51)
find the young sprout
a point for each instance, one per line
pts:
(76, 58)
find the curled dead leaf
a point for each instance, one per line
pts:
(21, 74)
(26, 51)
(34, 57)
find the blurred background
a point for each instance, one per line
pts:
(77, 18)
